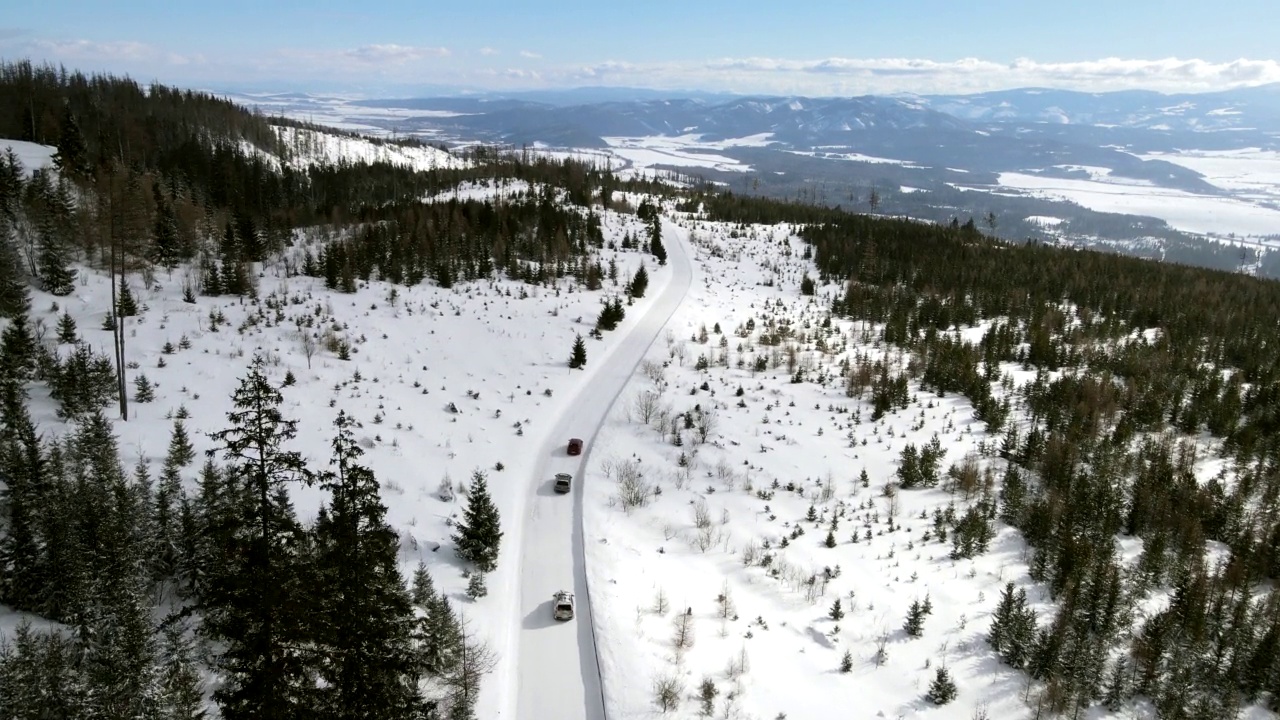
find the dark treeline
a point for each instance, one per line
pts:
(153, 583)
(1153, 357)
(168, 175)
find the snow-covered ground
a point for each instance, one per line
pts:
(678, 151)
(1251, 172)
(760, 453)
(770, 454)
(1189, 212)
(852, 157)
(308, 147)
(496, 350)
(31, 155)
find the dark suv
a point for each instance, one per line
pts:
(575, 446)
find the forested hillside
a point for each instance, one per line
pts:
(1143, 370)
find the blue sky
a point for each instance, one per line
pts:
(807, 46)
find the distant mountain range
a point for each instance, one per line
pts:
(925, 155)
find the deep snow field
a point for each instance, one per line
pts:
(770, 454)
(737, 489)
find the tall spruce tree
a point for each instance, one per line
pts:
(479, 533)
(639, 283)
(578, 356)
(256, 599)
(365, 619)
(439, 637)
(15, 298)
(1013, 629)
(23, 573)
(166, 508)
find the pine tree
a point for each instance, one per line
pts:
(143, 390)
(440, 637)
(39, 677)
(639, 283)
(23, 498)
(479, 533)
(837, 612)
(1013, 629)
(17, 353)
(53, 263)
(126, 306)
(72, 157)
(67, 328)
(181, 695)
(846, 662)
(655, 240)
(943, 689)
(166, 513)
(254, 600)
(424, 588)
(914, 624)
(578, 357)
(476, 587)
(15, 298)
(115, 638)
(166, 248)
(366, 618)
(1116, 690)
(181, 452)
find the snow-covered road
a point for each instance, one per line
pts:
(557, 671)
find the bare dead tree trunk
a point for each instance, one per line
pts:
(117, 322)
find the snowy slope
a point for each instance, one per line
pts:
(32, 156)
(309, 147)
(497, 350)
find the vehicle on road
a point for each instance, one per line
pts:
(563, 606)
(564, 481)
(575, 446)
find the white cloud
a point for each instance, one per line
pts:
(91, 51)
(889, 75)
(376, 65)
(391, 53)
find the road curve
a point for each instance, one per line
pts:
(558, 673)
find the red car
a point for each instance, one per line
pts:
(575, 446)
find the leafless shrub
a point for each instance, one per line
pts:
(660, 602)
(739, 665)
(309, 344)
(682, 634)
(654, 371)
(882, 640)
(701, 515)
(725, 601)
(633, 491)
(705, 425)
(706, 538)
(667, 691)
(646, 405)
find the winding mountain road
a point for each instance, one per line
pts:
(558, 673)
